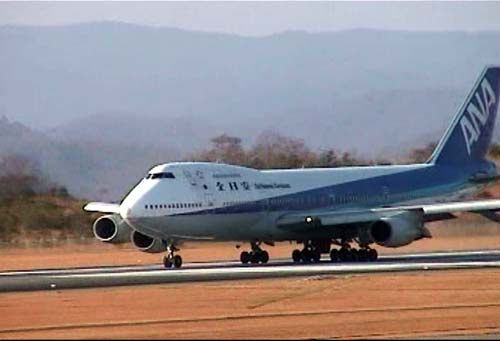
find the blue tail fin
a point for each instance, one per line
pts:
(469, 135)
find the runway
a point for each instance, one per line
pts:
(73, 278)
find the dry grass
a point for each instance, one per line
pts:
(43, 220)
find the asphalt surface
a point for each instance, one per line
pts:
(73, 278)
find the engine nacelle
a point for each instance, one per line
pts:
(146, 243)
(111, 229)
(399, 229)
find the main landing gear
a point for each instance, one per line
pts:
(171, 259)
(257, 255)
(348, 254)
(311, 253)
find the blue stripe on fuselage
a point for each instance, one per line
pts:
(421, 183)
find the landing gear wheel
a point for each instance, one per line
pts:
(177, 261)
(345, 255)
(296, 256)
(354, 255)
(245, 257)
(316, 256)
(254, 258)
(305, 255)
(334, 255)
(372, 255)
(264, 257)
(363, 255)
(167, 262)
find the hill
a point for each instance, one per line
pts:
(346, 90)
(89, 169)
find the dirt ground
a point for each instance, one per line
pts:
(374, 306)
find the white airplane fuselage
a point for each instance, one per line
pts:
(224, 202)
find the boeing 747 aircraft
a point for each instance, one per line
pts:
(348, 208)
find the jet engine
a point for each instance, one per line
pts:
(146, 243)
(111, 229)
(399, 229)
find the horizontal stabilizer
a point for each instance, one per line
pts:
(102, 207)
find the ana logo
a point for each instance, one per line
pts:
(475, 117)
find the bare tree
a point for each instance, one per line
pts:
(419, 155)
(19, 176)
(273, 150)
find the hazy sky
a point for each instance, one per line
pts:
(261, 18)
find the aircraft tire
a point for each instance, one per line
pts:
(344, 255)
(245, 257)
(334, 255)
(355, 255)
(296, 256)
(363, 255)
(264, 257)
(167, 262)
(306, 256)
(316, 256)
(372, 255)
(255, 258)
(177, 261)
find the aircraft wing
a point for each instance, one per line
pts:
(102, 207)
(430, 212)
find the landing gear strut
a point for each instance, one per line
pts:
(257, 255)
(171, 259)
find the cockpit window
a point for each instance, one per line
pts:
(166, 175)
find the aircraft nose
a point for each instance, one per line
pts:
(130, 209)
(126, 211)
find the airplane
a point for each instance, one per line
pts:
(327, 210)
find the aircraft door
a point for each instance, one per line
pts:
(209, 200)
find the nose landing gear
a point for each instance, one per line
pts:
(171, 259)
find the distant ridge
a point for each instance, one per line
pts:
(166, 90)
